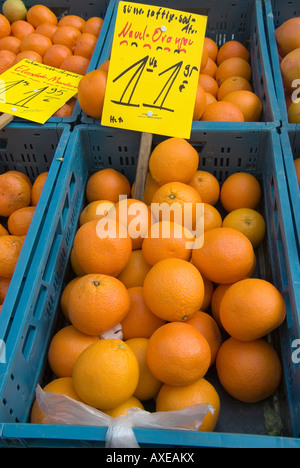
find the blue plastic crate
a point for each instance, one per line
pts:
(276, 13)
(227, 20)
(91, 148)
(101, 8)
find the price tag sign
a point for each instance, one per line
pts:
(35, 91)
(154, 69)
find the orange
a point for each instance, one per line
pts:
(166, 239)
(93, 25)
(75, 64)
(294, 112)
(104, 66)
(4, 285)
(248, 102)
(174, 398)
(209, 328)
(97, 303)
(226, 255)
(250, 222)
(297, 169)
(102, 246)
(65, 347)
(19, 221)
(221, 111)
(7, 59)
(289, 67)
(216, 298)
(139, 322)
(5, 27)
(106, 374)
(39, 14)
(37, 187)
(85, 45)
(95, 210)
(210, 68)
(30, 55)
(240, 190)
(209, 99)
(21, 28)
(178, 202)
(178, 354)
(209, 84)
(15, 193)
(135, 216)
(66, 110)
(36, 42)
(249, 371)
(234, 66)
(212, 218)
(46, 29)
(65, 297)
(122, 409)
(77, 269)
(174, 289)
(91, 92)
(135, 271)
(107, 184)
(287, 36)
(72, 20)
(212, 48)
(148, 385)
(10, 43)
(21, 174)
(150, 188)
(56, 54)
(10, 248)
(232, 49)
(204, 58)
(62, 385)
(207, 185)
(66, 35)
(231, 84)
(208, 291)
(3, 230)
(173, 160)
(252, 308)
(199, 102)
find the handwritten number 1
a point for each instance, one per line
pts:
(140, 65)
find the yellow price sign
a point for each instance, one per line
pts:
(35, 91)
(154, 69)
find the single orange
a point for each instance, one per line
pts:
(56, 54)
(178, 354)
(7, 60)
(102, 246)
(139, 322)
(72, 20)
(91, 92)
(15, 193)
(226, 255)
(240, 190)
(66, 110)
(249, 103)
(46, 29)
(178, 397)
(207, 185)
(199, 102)
(65, 297)
(249, 371)
(121, 410)
(19, 221)
(93, 25)
(212, 217)
(234, 66)
(209, 84)
(66, 35)
(230, 49)
(21, 28)
(36, 42)
(10, 249)
(37, 187)
(210, 68)
(174, 289)
(39, 14)
(252, 308)
(221, 111)
(85, 45)
(250, 222)
(75, 64)
(211, 47)
(173, 160)
(95, 210)
(209, 328)
(30, 55)
(5, 27)
(107, 184)
(135, 270)
(150, 188)
(231, 84)
(10, 43)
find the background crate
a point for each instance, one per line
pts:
(242, 21)
(102, 8)
(91, 148)
(276, 13)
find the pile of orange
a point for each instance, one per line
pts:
(18, 199)
(66, 43)
(224, 91)
(288, 46)
(183, 301)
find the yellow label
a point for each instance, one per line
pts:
(154, 69)
(35, 91)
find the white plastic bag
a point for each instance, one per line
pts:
(60, 409)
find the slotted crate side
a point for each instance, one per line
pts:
(91, 148)
(32, 150)
(276, 12)
(101, 8)
(242, 21)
